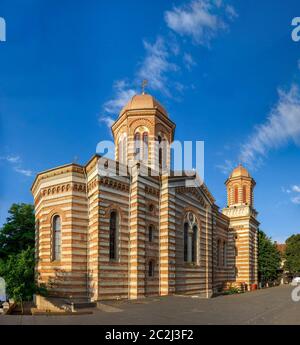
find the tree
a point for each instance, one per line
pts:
(17, 234)
(18, 272)
(292, 255)
(269, 259)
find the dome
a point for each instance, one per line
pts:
(239, 172)
(142, 102)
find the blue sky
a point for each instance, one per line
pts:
(227, 72)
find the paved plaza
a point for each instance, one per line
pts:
(268, 306)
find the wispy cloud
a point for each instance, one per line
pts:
(294, 192)
(231, 12)
(285, 190)
(199, 19)
(156, 65)
(24, 172)
(226, 167)
(122, 94)
(282, 126)
(296, 200)
(189, 61)
(296, 188)
(11, 159)
(16, 162)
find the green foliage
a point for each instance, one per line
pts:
(18, 272)
(17, 252)
(292, 254)
(17, 234)
(269, 258)
(232, 291)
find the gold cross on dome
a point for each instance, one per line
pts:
(144, 84)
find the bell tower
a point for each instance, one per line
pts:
(143, 133)
(243, 225)
(240, 187)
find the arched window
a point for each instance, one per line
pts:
(224, 253)
(244, 194)
(236, 195)
(219, 253)
(150, 233)
(151, 208)
(113, 235)
(137, 145)
(151, 269)
(194, 244)
(185, 242)
(56, 225)
(145, 146)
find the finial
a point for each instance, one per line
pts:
(144, 84)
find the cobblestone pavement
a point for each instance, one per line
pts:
(267, 306)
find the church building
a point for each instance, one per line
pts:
(144, 232)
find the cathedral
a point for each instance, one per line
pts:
(144, 232)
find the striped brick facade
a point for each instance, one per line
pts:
(169, 237)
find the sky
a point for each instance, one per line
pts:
(228, 73)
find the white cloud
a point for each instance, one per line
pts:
(23, 171)
(108, 120)
(199, 19)
(155, 66)
(123, 93)
(294, 192)
(296, 200)
(282, 126)
(189, 61)
(226, 168)
(285, 190)
(296, 189)
(15, 161)
(231, 12)
(11, 159)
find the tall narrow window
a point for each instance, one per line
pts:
(113, 235)
(159, 151)
(224, 253)
(219, 253)
(244, 194)
(137, 145)
(194, 244)
(185, 242)
(56, 238)
(145, 146)
(151, 269)
(150, 233)
(236, 195)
